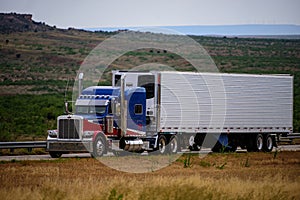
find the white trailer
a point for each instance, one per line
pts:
(238, 109)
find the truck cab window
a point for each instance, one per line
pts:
(147, 82)
(82, 110)
(99, 110)
(117, 80)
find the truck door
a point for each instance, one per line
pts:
(136, 109)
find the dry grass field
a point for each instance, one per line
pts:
(216, 176)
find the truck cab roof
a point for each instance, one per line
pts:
(101, 90)
(101, 95)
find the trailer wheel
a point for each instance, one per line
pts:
(162, 144)
(99, 147)
(268, 143)
(256, 143)
(55, 154)
(173, 145)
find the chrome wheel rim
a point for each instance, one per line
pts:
(174, 145)
(162, 146)
(259, 143)
(269, 143)
(99, 147)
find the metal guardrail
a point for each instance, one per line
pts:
(289, 138)
(293, 135)
(42, 144)
(26, 145)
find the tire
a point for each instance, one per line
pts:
(99, 147)
(162, 144)
(256, 143)
(140, 151)
(268, 143)
(173, 145)
(55, 154)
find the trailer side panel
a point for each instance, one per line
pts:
(207, 102)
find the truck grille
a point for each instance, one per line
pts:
(68, 128)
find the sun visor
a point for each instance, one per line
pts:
(91, 102)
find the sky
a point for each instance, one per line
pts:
(139, 13)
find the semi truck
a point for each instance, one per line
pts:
(165, 112)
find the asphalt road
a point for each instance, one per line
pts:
(87, 155)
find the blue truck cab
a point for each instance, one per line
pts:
(97, 102)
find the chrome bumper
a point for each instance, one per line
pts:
(70, 146)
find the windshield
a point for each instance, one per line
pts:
(99, 110)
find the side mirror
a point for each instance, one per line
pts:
(67, 108)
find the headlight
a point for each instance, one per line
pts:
(52, 133)
(88, 134)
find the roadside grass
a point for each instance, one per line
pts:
(89, 179)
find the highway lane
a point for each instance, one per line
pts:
(87, 155)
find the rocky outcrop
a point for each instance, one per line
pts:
(13, 22)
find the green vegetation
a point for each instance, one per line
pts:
(222, 166)
(187, 162)
(36, 66)
(247, 163)
(28, 116)
(114, 196)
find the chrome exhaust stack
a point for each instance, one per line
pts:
(123, 108)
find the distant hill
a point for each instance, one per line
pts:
(37, 58)
(13, 22)
(283, 31)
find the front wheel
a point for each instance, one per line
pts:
(99, 147)
(55, 154)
